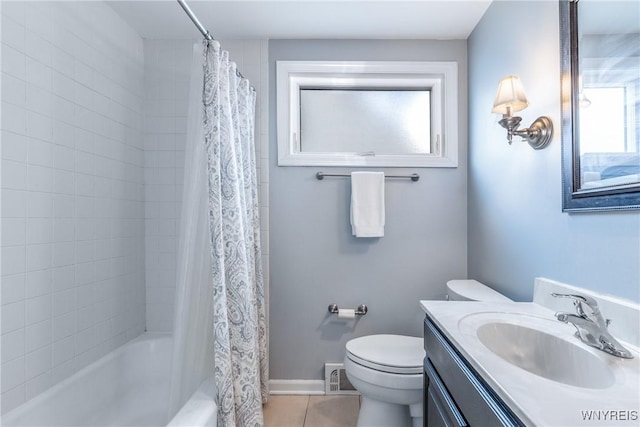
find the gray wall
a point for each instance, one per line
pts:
(517, 230)
(314, 259)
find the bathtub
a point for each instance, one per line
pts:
(128, 387)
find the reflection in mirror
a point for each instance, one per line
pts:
(609, 64)
(601, 110)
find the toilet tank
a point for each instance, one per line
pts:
(472, 290)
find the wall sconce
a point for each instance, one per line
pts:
(510, 99)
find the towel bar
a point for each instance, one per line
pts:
(414, 176)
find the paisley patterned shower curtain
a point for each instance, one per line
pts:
(239, 314)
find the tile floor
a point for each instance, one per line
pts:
(312, 411)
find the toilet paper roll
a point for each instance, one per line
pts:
(346, 313)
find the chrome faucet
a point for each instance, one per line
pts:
(591, 327)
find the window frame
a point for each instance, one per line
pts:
(440, 77)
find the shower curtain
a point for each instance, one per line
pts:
(220, 315)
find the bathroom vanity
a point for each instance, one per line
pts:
(515, 364)
(466, 399)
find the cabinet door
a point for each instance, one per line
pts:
(441, 410)
(474, 398)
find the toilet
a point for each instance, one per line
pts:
(388, 369)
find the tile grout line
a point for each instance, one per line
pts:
(306, 411)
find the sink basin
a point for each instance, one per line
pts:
(546, 355)
(535, 364)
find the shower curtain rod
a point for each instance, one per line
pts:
(207, 35)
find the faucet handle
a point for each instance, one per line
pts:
(578, 300)
(591, 302)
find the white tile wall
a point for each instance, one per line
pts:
(72, 191)
(167, 73)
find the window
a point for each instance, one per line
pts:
(400, 114)
(609, 105)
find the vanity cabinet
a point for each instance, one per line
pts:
(454, 394)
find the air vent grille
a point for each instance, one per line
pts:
(336, 381)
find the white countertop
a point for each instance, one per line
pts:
(536, 400)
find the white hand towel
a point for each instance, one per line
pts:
(367, 204)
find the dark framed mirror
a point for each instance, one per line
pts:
(600, 89)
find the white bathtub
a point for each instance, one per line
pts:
(128, 387)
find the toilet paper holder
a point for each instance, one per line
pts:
(360, 311)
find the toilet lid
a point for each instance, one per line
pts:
(396, 354)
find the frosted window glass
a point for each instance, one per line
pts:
(365, 121)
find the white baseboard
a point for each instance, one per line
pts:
(311, 387)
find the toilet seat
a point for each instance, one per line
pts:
(394, 354)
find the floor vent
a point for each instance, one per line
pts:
(336, 381)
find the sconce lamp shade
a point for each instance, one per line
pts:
(510, 97)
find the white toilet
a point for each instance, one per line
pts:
(387, 369)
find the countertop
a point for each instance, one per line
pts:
(536, 400)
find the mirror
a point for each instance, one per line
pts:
(600, 64)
